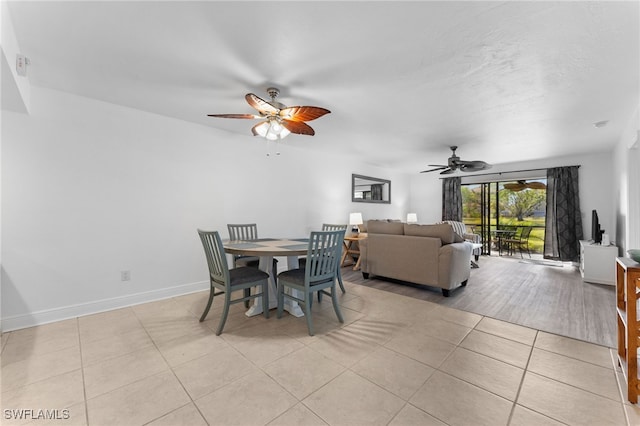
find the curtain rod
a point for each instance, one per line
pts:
(511, 171)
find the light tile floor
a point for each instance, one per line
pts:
(396, 360)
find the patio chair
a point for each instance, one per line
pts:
(520, 241)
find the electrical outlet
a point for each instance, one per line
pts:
(125, 275)
(21, 65)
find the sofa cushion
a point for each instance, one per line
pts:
(444, 231)
(385, 227)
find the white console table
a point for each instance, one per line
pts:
(598, 263)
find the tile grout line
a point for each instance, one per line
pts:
(84, 386)
(614, 360)
(524, 374)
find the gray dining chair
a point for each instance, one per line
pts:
(248, 231)
(329, 227)
(229, 280)
(318, 275)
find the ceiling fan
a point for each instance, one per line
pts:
(454, 163)
(279, 120)
(522, 184)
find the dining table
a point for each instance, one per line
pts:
(265, 249)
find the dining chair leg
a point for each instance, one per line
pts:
(340, 280)
(247, 293)
(225, 312)
(336, 307)
(307, 311)
(265, 298)
(206, 310)
(280, 295)
(274, 273)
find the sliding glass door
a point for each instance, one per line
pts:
(491, 206)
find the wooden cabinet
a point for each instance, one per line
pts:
(597, 263)
(627, 288)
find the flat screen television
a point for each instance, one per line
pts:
(596, 232)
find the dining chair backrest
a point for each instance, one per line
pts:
(334, 227)
(323, 256)
(216, 259)
(526, 231)
(246, 231)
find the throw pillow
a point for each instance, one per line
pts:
(444, 231)
(385, 227)
(459, 228)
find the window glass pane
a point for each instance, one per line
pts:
(507, 204)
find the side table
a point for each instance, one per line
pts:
(351, 249)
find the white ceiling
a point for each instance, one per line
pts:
(505, 81)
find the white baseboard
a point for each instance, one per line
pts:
(66, 312)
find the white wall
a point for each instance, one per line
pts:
(626, 191)
(595, 188)
(15, 89)
(90, 189)
(15, 93)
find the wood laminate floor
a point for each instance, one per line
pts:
(537, 294)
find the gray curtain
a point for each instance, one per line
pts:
(451, 199)
(563, 225)
(376, 191)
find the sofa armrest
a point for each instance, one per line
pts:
(454, 264)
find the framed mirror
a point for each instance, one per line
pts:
(367, 189)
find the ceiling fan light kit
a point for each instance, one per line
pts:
(280, 120)
(272, 129)
(455, 163)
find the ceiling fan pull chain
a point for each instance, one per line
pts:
(270, 147)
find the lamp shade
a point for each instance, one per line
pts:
(271, 130)
(355, 218)
(412, 218)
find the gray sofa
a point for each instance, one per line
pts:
(432, 255)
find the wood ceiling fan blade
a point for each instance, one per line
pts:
(298, 127)
(446, 172)
(303, 113)
(515, 187)
(234, 116)
(261, 105)
(436, 169)
(437, 165)
(536, 185)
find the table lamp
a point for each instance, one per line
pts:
(412, 218)
(355, 219)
